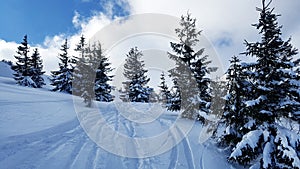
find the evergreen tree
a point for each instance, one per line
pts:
(175, 98)
(218, 93)
(22, 68)
(191, 70)
(273, 99)
(165, 94)
(85, 78)
(37, 69)
(92, 75)
(135, 89)
(235, 114)
(102, 87)
(81, 48)
(62, 79)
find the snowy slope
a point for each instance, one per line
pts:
(40, 129)
(5, 70)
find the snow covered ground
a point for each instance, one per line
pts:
(40, 129)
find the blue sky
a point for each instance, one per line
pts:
(41, 18)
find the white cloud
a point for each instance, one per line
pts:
(228, 20)
(50, 48)
(225, 23)
(7, 49)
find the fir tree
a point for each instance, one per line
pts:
(22, 68)
(218, 93)
(62, 79)
(135, 89)
(92, 74)
(191, 70)
(175, 98)
(165, 94)
(81, 48)
(102, 87)
(273, 99)
(37, 69)
(235, 113)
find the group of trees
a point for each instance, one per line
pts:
(85, 75)
(28, 68)
(260, 96)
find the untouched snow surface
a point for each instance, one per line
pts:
(40, 129)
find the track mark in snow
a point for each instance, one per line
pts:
(187, 151)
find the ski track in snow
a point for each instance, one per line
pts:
(63, 143)
(67, 146)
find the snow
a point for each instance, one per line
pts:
(40, 129)
(267, 155)
(255, 102)
(249, 140)
(5, 70)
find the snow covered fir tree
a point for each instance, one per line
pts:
(37, 69)
(28, 70)
(81, 48)
(102, 87)
(91, 75)
(165, 94)
(135, 88)
(175, 98)
(254, 121)
(62, 78)
(235, 113)
(191, 71)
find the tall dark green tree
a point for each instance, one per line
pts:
(79, 62)
(22, 67)
(268, 144)
(91, 75)
(165, 94)
(37, 69)
(102, 87)
(62, 78)
(135, 88)
(235, 114)
(191, 71)
(175, 97)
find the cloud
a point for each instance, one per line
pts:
(218, 19)
(224, 23)
(50, 48)
(7, 49)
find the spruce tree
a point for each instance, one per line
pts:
(62, 78)
(81, 48)
(175, 98)
(86, 76)
(273, 99)
(102, 87)
(165, 94)
(37, 69)
(92, 75)
(191, 67)
(135, 89)
(218, 93)
(22, 68)
(235, 114)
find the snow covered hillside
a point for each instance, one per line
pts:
(40, 129)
